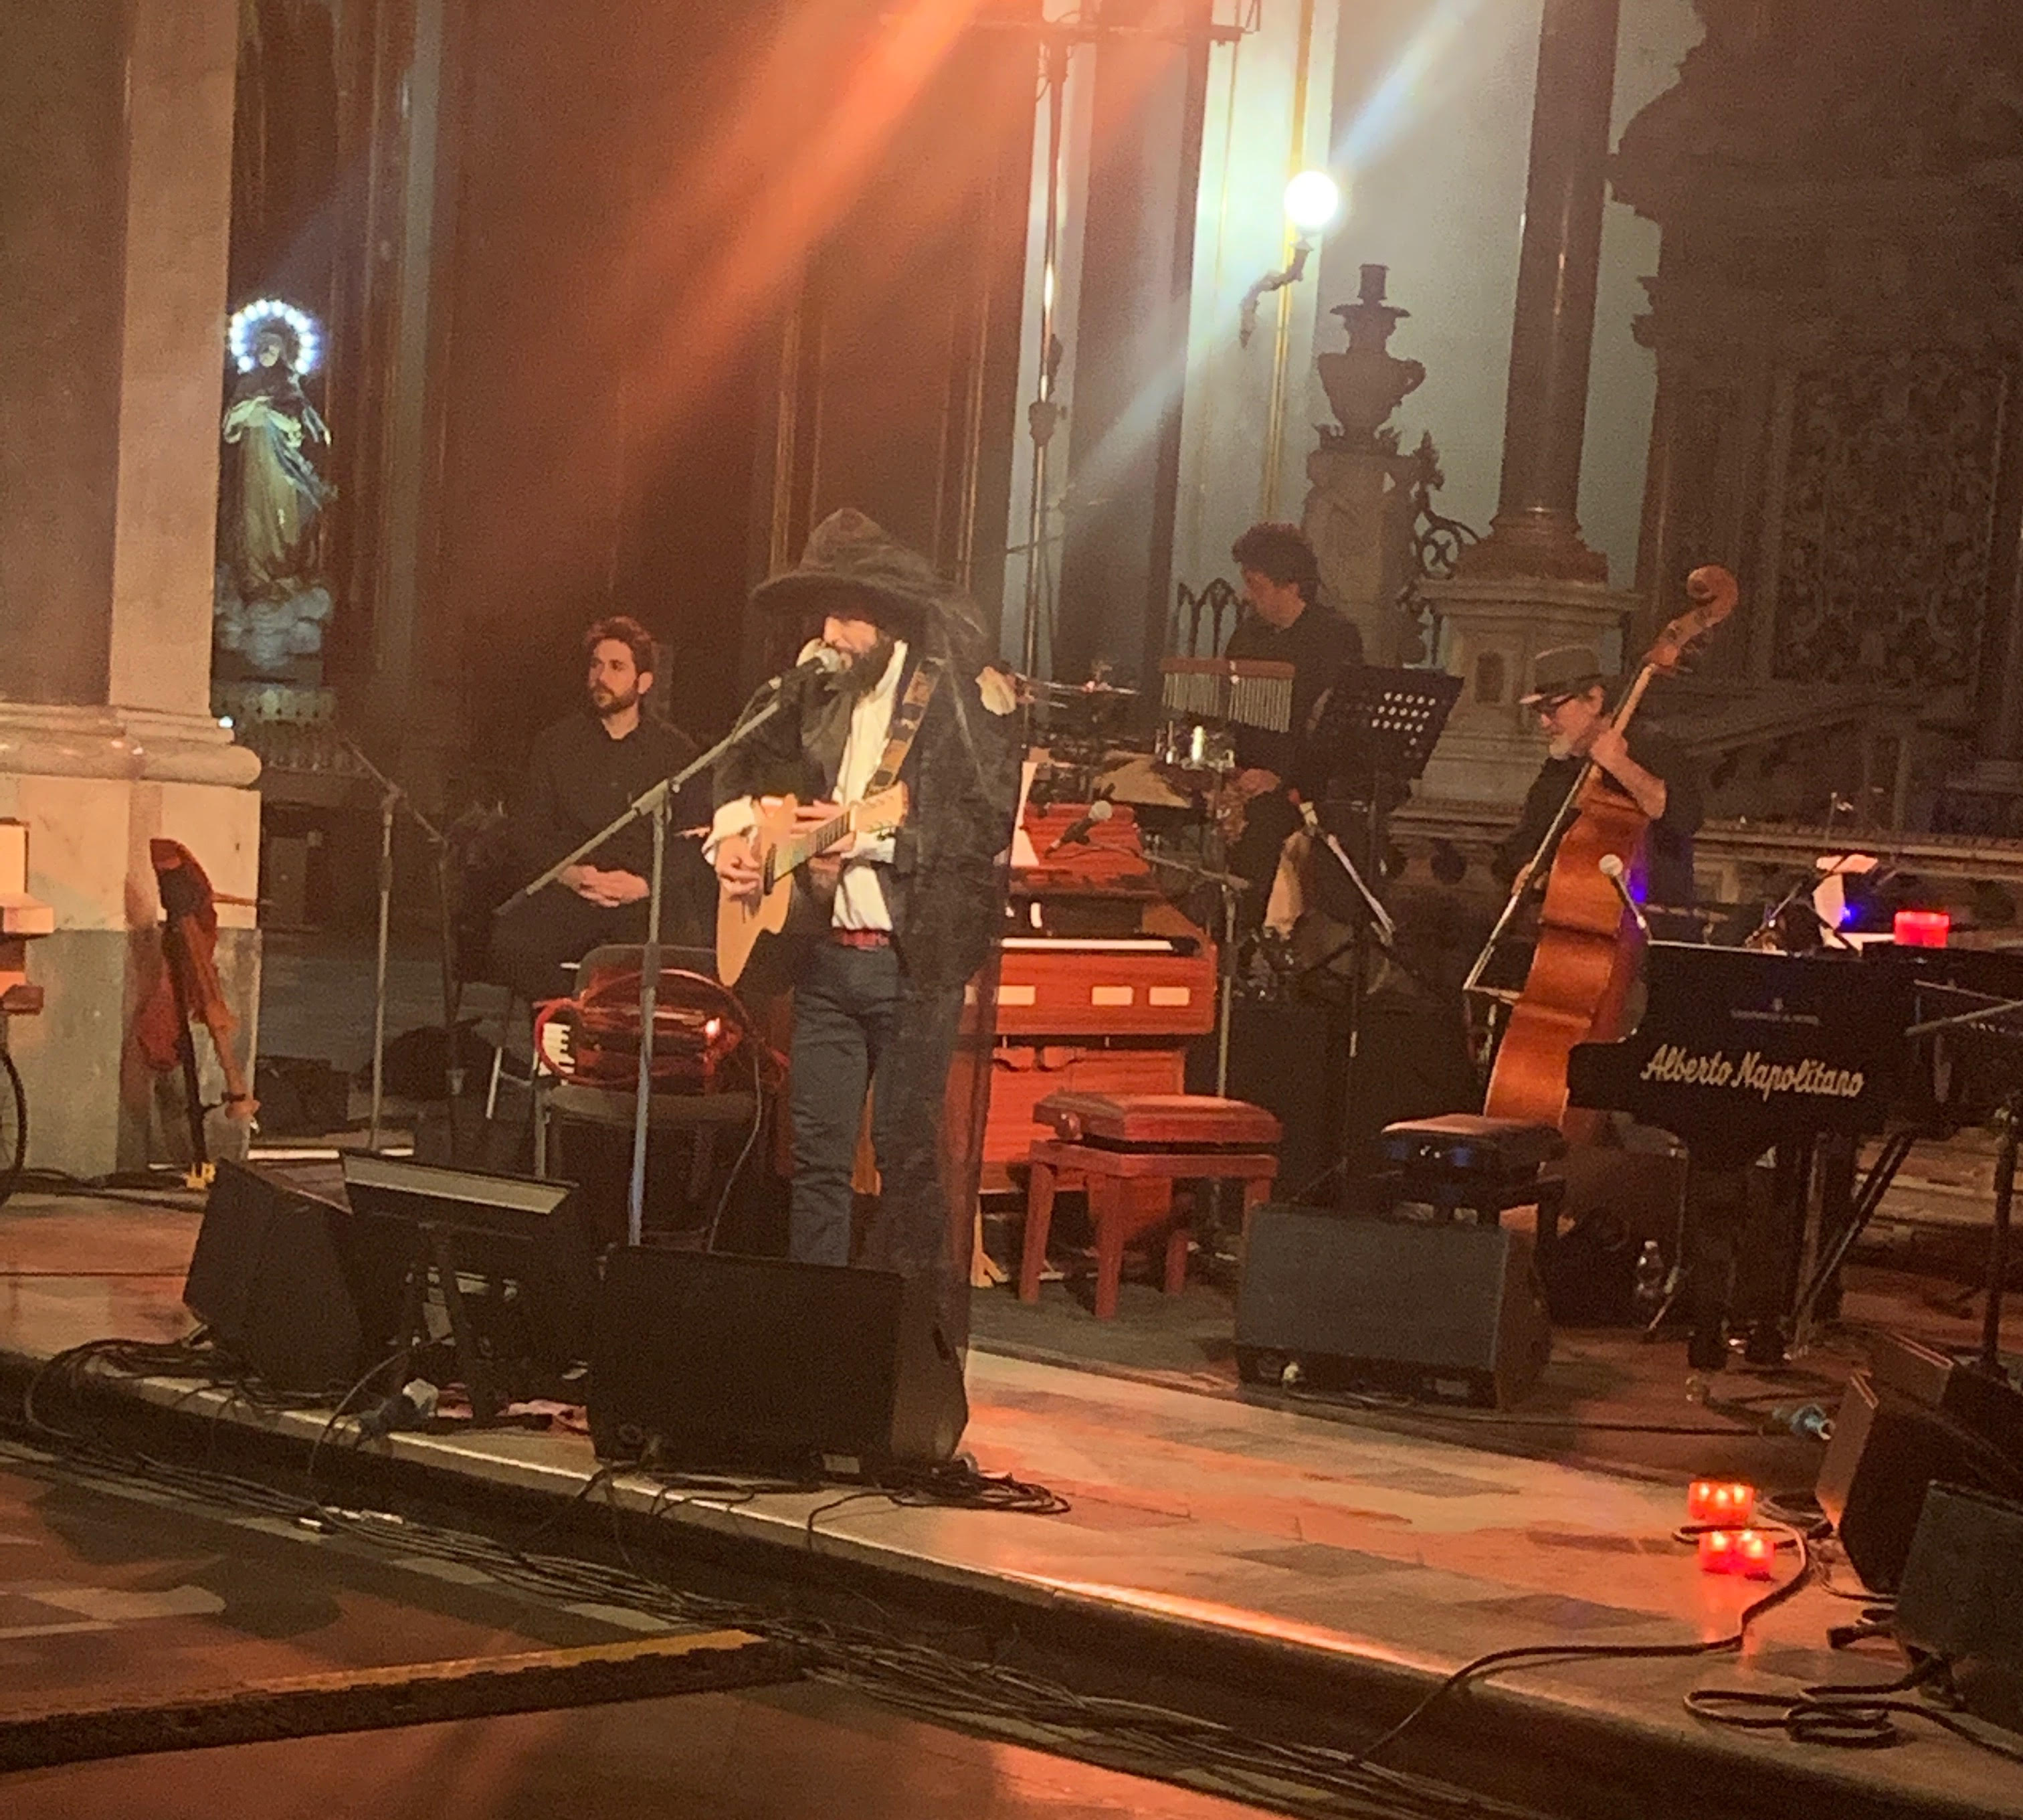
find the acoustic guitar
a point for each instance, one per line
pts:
(782, 852)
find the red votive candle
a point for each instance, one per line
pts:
(1726, 1501)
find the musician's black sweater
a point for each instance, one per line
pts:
(579, 778)
(1668, 847)
(1319, 644)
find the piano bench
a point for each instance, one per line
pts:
(1487, 1166)
(1158, 1139)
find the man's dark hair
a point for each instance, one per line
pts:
(628, 632)
(1282, 552)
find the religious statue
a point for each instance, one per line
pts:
(272, 604)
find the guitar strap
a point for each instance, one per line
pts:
(907, 719)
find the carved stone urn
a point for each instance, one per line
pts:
(1366, 382)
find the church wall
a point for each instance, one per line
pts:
(1432, 119)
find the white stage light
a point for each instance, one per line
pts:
(1313, 199)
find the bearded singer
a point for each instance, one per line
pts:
(910, 917)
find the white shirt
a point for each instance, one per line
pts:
(860, 900)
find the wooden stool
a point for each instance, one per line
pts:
(1112, 1141)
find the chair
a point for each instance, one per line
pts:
(599, 1084)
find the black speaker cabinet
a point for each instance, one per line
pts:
(268, 1278)
(701, 1361)
(1442, 1312)
(1961, 1597)
(1914, 1417)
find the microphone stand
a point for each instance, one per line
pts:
(1231, 888)
(394, 798)
(657, 801)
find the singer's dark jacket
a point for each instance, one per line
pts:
(1668, 843)
(944, 888)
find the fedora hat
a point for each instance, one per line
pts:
(1563, 670)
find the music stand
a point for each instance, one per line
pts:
(1379, 726)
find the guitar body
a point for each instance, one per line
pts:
(743, 922)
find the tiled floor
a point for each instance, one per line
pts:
(1401, 1553)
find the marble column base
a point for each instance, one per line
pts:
(1490, 632)
(95, 786)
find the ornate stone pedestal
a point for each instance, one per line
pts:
(1489, 632)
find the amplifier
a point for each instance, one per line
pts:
(1915, 1416)
(1439, 1312)
(1962, 1598)
(706, 1361)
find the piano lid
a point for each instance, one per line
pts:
(1738, 1049)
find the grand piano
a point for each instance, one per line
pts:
(1740, 1052)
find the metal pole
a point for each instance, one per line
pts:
(650, 989)
(1998, 1240)
(1227, 970)
(1043, 415)
(386, 803)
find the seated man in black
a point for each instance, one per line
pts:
(1287, 625)
(1654, 770)
(581, 776)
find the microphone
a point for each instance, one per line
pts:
(823, 661)
(1076, 832)
(1610, 868)
(409, 1407)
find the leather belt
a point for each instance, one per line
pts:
(860, 938)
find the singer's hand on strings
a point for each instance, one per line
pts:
(737, 866)
(810, 816)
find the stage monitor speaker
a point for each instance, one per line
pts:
(1914, 1417)
(1439, 1312)
(268, 1278)
(1962, 1598)
(701, 1361)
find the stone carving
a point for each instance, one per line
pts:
(1368, 509)
(1365, 381)
(1888, 520)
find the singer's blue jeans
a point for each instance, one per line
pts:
(859, 1024)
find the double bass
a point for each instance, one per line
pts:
(1588, 947)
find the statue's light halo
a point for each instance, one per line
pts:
(245, 330)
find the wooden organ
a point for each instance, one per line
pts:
(1102, 984)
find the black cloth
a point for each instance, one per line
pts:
(1668, 843)
(537, 943)
(1319, 644)
(578, 779)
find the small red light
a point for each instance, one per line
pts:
(1717, 1551)
(1753, 1551)
(1720, 1501)
(1915, 929)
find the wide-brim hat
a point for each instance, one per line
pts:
(850, 555)
(1563, 670)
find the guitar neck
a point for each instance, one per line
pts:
(791, 855)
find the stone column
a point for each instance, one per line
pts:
(1536, 531)
(115, 149)
(1532, 584)
(1124, 417)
